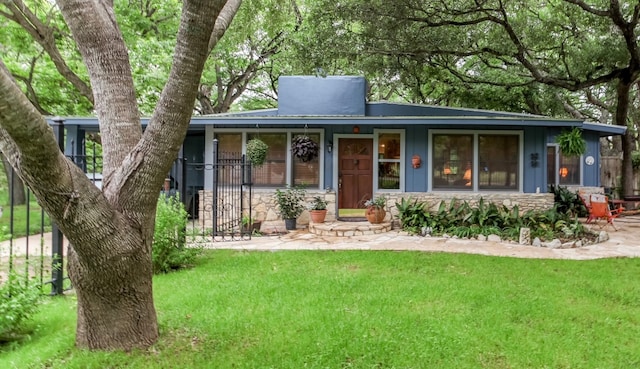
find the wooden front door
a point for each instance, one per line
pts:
(355, 172)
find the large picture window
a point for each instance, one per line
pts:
(475, 161)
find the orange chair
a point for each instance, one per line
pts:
(599, 209)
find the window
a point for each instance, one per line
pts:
(389, 161)
(498, 157)
(280, 167)
(273, 173)
(452, 161)
(475, 161)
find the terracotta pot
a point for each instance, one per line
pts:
(317, 216)
(375, 215)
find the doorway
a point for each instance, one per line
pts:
(355, 175)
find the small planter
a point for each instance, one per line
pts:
(375, 214)
(290, 224)
(317, 216)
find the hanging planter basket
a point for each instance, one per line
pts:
(304, 148)
(257, 151)
(571, 142)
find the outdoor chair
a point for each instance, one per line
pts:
(599, 210)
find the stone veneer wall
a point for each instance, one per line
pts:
(264, 208)
(264, 203)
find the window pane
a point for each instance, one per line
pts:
(307, 174)
(229, 147)
(498, 160)
(569, 171)
(389, 146)
(389, 176)
(274, 171)
(229, 142)
(452, 160)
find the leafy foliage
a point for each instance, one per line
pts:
(318, 203)
(413, 215)
(304, 148)
(571, 142)
(19, 297)
(377, 202)
(169, 239)
(290, 202)
(568, 202)
(462, 220)
(257, 151)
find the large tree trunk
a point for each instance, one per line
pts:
(622, 111)
(111, 231)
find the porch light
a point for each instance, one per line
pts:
(356, 129)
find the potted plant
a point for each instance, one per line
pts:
(571, 142)
(375, 212)
(304, 148)
(290, 204)
(257, 151)
(318, 209)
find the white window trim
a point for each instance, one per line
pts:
(475, 134)
(376, 135)
(210, 134)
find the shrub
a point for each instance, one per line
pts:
(169, 238)
(290, 202)
(19, 298)
(413, 215)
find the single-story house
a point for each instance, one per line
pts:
(398, 150)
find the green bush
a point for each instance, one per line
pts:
(462, 220)
(169, 239)
(19, 297)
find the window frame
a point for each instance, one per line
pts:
(476, 158)
(377, 161)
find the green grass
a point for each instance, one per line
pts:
(20, 228)
(358, 309)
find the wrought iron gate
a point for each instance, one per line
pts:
(231, 203)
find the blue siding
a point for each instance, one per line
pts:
(417, 141)
(534, 177)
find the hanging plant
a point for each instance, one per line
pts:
(257, 151)
(571, 142)
(304, 148)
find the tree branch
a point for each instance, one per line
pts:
(44, 36)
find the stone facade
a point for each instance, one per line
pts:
(264, 207)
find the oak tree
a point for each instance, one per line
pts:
(110, 230)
